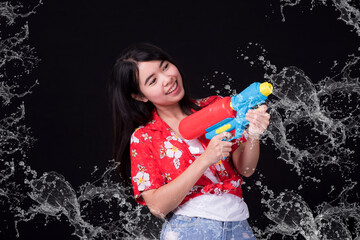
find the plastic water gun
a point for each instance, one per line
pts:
(227, 114)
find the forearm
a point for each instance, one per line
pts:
(166, 198)
(247, 157)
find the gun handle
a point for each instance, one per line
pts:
(226, 125)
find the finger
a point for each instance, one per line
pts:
(226, 149)
(258, 127)
(225, 155)
(227, 144)
(260, 110)
(222, 135)
(260, 120)
(257, 116)
(226, 135)
(218, 137)
(252, 117)
(263, 107)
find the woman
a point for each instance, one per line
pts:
(194, 184)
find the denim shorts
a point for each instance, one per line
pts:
(180, 227)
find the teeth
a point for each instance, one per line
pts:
(173, 89)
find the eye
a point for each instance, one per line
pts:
(165, 66)
(152, 81)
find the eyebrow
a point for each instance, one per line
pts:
(149, 77)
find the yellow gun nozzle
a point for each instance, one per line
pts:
(266, 88)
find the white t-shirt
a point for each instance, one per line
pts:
(224, 207)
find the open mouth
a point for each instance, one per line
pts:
(173, 88)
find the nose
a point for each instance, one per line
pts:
(166, 79)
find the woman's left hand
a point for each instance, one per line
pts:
(258, 121)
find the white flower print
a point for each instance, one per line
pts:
(217, 191)
(238, 141)
(141, 168)
(173, 136)
(176, 162)
(134, 139)
(220, 168)
(142, 180)
(146, 137)
(235, 184)
(168, 176)
(241, 139)
(194, 189)
(246, 135)
(162, 153)
(199, 101)
(134, 153)
(172, 151)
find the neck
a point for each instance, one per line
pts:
(172, 113)
(172, 117)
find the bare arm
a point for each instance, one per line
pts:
(245, 158)
(162, 200)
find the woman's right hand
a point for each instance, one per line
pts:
(217, 149)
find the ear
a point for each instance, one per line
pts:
(139, 97)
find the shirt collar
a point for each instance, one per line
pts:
(157, 123)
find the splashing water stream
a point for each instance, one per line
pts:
(327, 111)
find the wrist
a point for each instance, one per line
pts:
(202, 162)
(253, 136)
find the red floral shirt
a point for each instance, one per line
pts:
(158, 156)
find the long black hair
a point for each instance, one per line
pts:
(128, 113)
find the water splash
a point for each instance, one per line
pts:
(349, 12)
(305, 128)
(17, 61)
(328, 111)
(120, 216)
(256, 55)
(312, 123)
(220, 82)
(11, 13)
(291, 216)
(51, 195)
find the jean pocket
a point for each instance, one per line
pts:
(180, 221)
(248, 230)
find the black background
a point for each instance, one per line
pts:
(77, 41)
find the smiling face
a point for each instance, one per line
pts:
(160, 82)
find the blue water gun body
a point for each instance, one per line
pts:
(253, 95)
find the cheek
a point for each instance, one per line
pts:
(157, 93)
(153, 94)
(173, 71)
